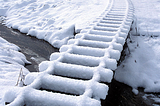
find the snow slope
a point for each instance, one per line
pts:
(142, 67)
(48, 19)
(11, 62)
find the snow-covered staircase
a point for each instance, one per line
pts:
(75, 76)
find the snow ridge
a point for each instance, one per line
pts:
(75, 74)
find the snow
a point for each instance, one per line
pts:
(48, 19)
(11, 62)
(147, 14)
(74, 60)
(56, 22)
(77, 71)
(54, 99)
(141, 68)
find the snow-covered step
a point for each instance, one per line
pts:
(101, 32)
(108, 25)
(77, 72)
(105, 28)
(101, 38)
(73, 86)
(114, 19)
(32, 97)
(118, 10)
(86, 60)
(117, 13)
(95, 53)
(78, 59)
(95, 44)
(110, 22)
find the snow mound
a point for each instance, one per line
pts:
(47, 19)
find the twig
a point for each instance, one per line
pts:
(19, 77)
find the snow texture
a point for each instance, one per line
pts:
(11, 62)
(141, 67)
(54, 21)
(147, 15)
(89, 58)
(84, 57)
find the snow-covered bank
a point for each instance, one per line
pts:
(11, 62)
(47, 19)
(142, 67)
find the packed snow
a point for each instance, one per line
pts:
(141, 68)
(49, 19)
(11, 63)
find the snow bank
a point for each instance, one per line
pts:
(11, 62)
(49, 19)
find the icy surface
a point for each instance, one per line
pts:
(11, 62)
(141, 68)
(47, 19)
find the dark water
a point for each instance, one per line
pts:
(34, 49)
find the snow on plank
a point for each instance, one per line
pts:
(74, 75)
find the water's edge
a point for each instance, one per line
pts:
(34, 49)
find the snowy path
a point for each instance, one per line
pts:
(75, 75)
